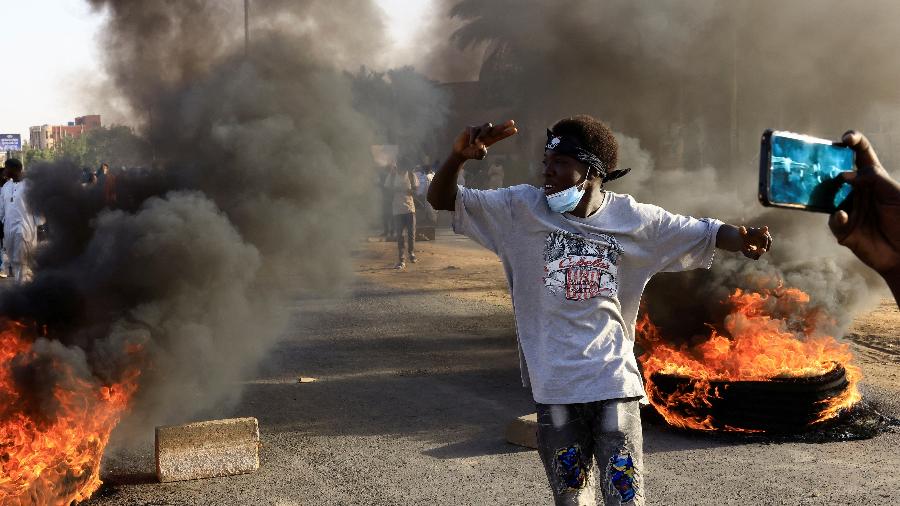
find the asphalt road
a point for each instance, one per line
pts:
(415, 385)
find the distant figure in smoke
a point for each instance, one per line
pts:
(4, 258)
(495, 174)
(404, 184)
(387, 203)
(102, 173)
(107, 182)
(88, 177)
(19, 224)
(424, 212)
(577, 258)
(872, 228)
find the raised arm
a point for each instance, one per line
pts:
(752, 242)
(473, 142)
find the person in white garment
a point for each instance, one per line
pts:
(19, 227)
(4, 258)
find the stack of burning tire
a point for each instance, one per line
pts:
(770, 365)
(779, 405)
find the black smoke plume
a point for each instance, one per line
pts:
(257, 187)
(690, 86)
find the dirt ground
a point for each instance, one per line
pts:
(417, 377)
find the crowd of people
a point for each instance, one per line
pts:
(101, 178)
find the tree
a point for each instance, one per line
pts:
(117, 146)
(405, 109)
(71, 149)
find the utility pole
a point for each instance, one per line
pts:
(247, 27)
(735, 138)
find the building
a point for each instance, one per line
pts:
(39, 137)
(47, 136)
(90, 121)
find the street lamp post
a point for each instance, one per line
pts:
(247, 27)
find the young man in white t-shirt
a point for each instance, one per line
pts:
(577, 258)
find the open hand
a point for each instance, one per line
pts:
(756, 241)
(474, 141)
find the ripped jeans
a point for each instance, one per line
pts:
(572, 436)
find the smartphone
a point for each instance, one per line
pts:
(797, 171)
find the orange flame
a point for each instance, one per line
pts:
(771, 334)
(54, 462)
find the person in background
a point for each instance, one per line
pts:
(421, 173)
(19, 224)
(871, 230)
(424, 212)
(495, 174)
(403, 184)
(102, 174)
(4, 258)
(387, 203)
(461, 177)
(108, 185)
(88, 177)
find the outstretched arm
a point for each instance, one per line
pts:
(471, 143)
(752, 242)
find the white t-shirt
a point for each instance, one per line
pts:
(576, 283)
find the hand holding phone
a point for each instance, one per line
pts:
(797, 171)
(871, 229)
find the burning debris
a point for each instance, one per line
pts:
(154, 305)
(767, 367)
(51, 444)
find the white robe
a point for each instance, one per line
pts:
(19, 228)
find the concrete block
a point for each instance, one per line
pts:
(523, 431)
(207, 449)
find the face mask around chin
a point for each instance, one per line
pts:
(566, 200)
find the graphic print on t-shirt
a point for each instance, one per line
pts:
(581, 268)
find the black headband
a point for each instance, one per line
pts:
(569, 147)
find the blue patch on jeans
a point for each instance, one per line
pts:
(570, 468)
(621, 474)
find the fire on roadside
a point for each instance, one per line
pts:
(769, 334)
(53, 459)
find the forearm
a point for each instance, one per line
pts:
(729, 238)
(442, 191)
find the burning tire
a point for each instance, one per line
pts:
(782, 404)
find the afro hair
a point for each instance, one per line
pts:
(592, 135)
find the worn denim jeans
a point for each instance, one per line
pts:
(571, 437)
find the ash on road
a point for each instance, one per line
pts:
(417, 378)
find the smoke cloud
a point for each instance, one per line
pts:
(690, 86)
(258, 185)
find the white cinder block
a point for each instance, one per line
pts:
(207, 449)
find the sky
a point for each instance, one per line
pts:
(56, 48)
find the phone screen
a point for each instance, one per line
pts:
(803, 172)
